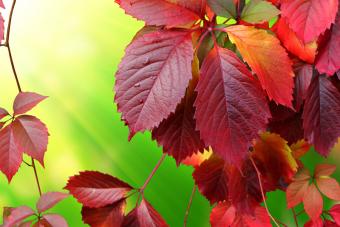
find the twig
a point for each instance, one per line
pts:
(295, 218)
(189, 205)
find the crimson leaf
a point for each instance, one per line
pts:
(49, 199)
(25, 101)
(55, 220)
(17, 215)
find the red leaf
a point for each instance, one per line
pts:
(222, 215)
(49, 200)
(297, 189)
(95, 189)
(152, 78)
(25, 101)
(31, 136)
(197, 159)
(2, 27)
(10, 155)
(313, 202)
(260, 219)
(277, 81)
(309, 18)
(228, 117)
(55, 220)
(211, 178)
(329, 187)
(328, 223)
(159, 12)
(316, 223)
(17, 215)
(299, 149)
(289, 39)
(2, 4)
(328, 60)
(321, 113)
(199, 7)
(3, 113)
(335, 213)
(324, 170)
(144, 216)
(303, 79)
(108, 216)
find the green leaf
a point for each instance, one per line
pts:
(258, 11)
(223, 8)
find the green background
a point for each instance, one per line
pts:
(69, 51)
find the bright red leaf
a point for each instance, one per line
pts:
(222, 215)
(159, 12)
(260, 218)
(49, 200)
(25, 101)
(277, 81)
(152, 78)
(17, 215)
(335, 213)
(230, 107)
(108, 216)
(55, 220)
(95, 189)
(309, 18)
(321, 113)
(31, 136)
(313, 202)
(316, 223)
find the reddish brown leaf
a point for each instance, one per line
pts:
(328, 60)
(108, 216)
(222, 215)
(152, 78)
(31, 136)
(303, 79)
(329, 187)
(25, 101)
(313, 202)
(17, 215)
(324, 170)
(10, 155)
(335, 213)
(309, 18)
(297, 47)
(55, 220)
(95, 189)
(321, 113)
(297, 189)
(277, 81)
(159, 12)
(144, 216)
(49, 200)
(228, 117)
(211, 178)
(3, 113)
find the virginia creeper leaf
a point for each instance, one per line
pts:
(293, 44)
(324, 170)
(31, 136)
(321, 113)
(144, 216)
(316, 223)
(335, 213)
(303, 79)
(222, 215)
(95, 189)
(260, 218)
(17, 215)
(108, 216)
(199, 7)
(309, 18)
(297, 189)
(328, 60)
(2, 4)
(299, 149)
(211, 177)
(159, 12)
(152, 78)
(313, 202)
(196, 160)
(55, 220)
(230, 107)
(3, 113)
(10, 155)
(25, 101)
(329, 187)
(2, 27)
(223, 8)
(258, 11)
(277, 81)
(49, 200)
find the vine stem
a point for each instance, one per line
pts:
(194, 189)
(295, 218)
(7, 45)
(262, 192)
(141, 190)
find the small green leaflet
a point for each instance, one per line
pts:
(258, 11)
(223, 8)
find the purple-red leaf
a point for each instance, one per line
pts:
(17, 215)
(153, 77)
(31, 136)
(321, 113)
(10, 155)
(309, 18)
(55, 220)
(160, 12)
(303, 79)
(231, 106)
(144, 216)
(3, 113)
(49, 200)
(25, 101)
(95, 189)
(108, 216)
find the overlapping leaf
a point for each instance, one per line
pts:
(277, 81)
(224, 8)
(49, 199)
(153, 77)
(259, 11)
(303, 79)
(17, 215)
(25, 101)
(230, 107)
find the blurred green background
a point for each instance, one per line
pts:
(69, 51)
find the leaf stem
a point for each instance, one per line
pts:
(295, 218)
(262, 192)
(36, 176)
(194, 189)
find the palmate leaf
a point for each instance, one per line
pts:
(231, 107)
(277, 81)
(17, 215)
(49, 200)
(309, 18)
(312, 201)
(161, 12)
(25, 101)
(153, 77)
(259, 11)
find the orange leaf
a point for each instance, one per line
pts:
(324, 170)
(313, 202)
(268, 59)
(299, 149)
(295, 192)
(329, 187)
